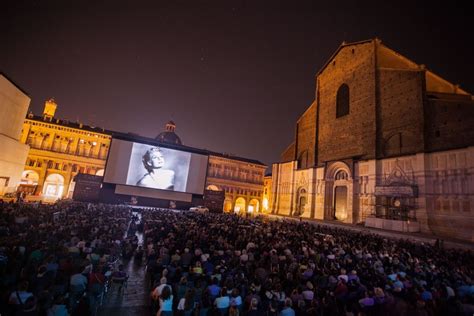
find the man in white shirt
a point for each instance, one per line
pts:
(157, 291)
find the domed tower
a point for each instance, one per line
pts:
(169, 136)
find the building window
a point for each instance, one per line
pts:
(341, 175)
(342, 101)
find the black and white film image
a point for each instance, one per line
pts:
(158, 168)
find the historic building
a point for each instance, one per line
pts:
(13, 107)
(267, 193)
(59, 150)
(240, 178)
(386, 142)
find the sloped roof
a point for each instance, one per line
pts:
(434, 83)
(343, 44)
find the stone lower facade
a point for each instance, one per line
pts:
(435, 190)
(242, 182)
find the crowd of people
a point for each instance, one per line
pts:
(221, 264)
(55, 260)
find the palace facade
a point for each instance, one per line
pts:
(386, 142)
(241, 179)
(59, 150)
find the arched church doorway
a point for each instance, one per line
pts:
(301, 200)
(340, 203)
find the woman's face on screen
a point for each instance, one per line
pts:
(157, 160)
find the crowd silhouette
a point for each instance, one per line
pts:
(61, 259)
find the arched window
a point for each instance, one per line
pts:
(342, 101)
(303, 160)
(341, 175)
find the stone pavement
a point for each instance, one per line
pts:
(132, 300)
(135, 298)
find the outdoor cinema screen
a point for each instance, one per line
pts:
(155, 167)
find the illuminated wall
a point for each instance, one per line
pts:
(59, 151)
(400, 153)
(13, 106)
(241, 180)
(267, 194)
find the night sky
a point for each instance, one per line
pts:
(233, 75)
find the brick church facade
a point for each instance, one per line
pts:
(385, 142)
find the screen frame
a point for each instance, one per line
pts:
(153, 142)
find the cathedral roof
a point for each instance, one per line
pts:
(388, 58)
(343, 44)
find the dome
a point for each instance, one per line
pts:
(168, 135)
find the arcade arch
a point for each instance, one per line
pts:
(30, 177)
(240, 205)
(53, 186)
(254, 206)
(213, 187)
(227, 205)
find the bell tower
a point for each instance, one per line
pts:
(170, 126)
(49, 110)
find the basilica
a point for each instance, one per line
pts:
(386, 142)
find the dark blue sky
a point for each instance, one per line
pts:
(233, 75)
